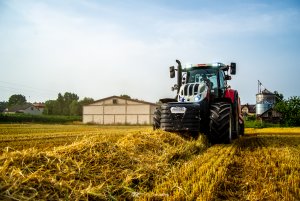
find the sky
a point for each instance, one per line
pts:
(101, 48)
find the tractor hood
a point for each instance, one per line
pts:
(193, 92)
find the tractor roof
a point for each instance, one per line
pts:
(207, 65)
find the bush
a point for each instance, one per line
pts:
(27, 118)
(290, 110)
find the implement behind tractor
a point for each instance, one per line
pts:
(204, 103)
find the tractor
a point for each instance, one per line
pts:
(204, 103)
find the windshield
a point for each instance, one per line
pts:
(197, 75)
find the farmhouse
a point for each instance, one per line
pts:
(248, 110)
(270, 115)
(118, 110)
(27, 108)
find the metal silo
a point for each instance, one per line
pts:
(264, 100)
(262, 107)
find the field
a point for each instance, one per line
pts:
(80, 162)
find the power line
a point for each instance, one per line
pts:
(29, 91)
(22, 87)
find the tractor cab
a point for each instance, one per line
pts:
(198, 81)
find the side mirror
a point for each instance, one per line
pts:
(172, 72)
(233, 68)
(227, 77)
(175, 87)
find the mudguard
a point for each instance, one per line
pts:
(234, 98)
(230, 94)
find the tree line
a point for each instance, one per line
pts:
(67, 104)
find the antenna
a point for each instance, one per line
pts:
(259, 86)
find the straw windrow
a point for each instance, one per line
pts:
(99, 167)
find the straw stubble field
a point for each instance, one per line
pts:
(79, 162)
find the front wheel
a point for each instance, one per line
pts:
(221, 122)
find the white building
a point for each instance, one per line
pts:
(118, 110)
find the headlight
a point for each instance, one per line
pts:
(198, 98)
(181, 99)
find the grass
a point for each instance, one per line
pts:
(259, 124)
(79, 162)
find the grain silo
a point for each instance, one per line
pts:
(264, 99)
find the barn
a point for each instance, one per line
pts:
(118, 110)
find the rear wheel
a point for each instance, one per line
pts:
(235, 125)
(156, 118)
(242, 129)
(221, 123)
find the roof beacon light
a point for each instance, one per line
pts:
(188, 65)
(216, 64)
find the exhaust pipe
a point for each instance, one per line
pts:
(179, 75)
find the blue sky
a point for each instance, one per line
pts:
(103, 48)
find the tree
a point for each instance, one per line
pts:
(52, 107)
(86, 101)
(68, 98)
(16, 99)
(60, 104)
(49, 107)
(125, 96)
(279, 96)
(290, 110)
(74, 108)
(3, 106)
(66, 104)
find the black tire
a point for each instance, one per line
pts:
(235, 125)
(242, 129)
(221, 123)
(156, 119)
(189, 121)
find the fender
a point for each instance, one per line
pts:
(230, 94)
(234, 98)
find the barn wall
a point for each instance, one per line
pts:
(93, 109)
(109, 119)
(137, 109)
(114, 109)
(118, 111)
(131, 119)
